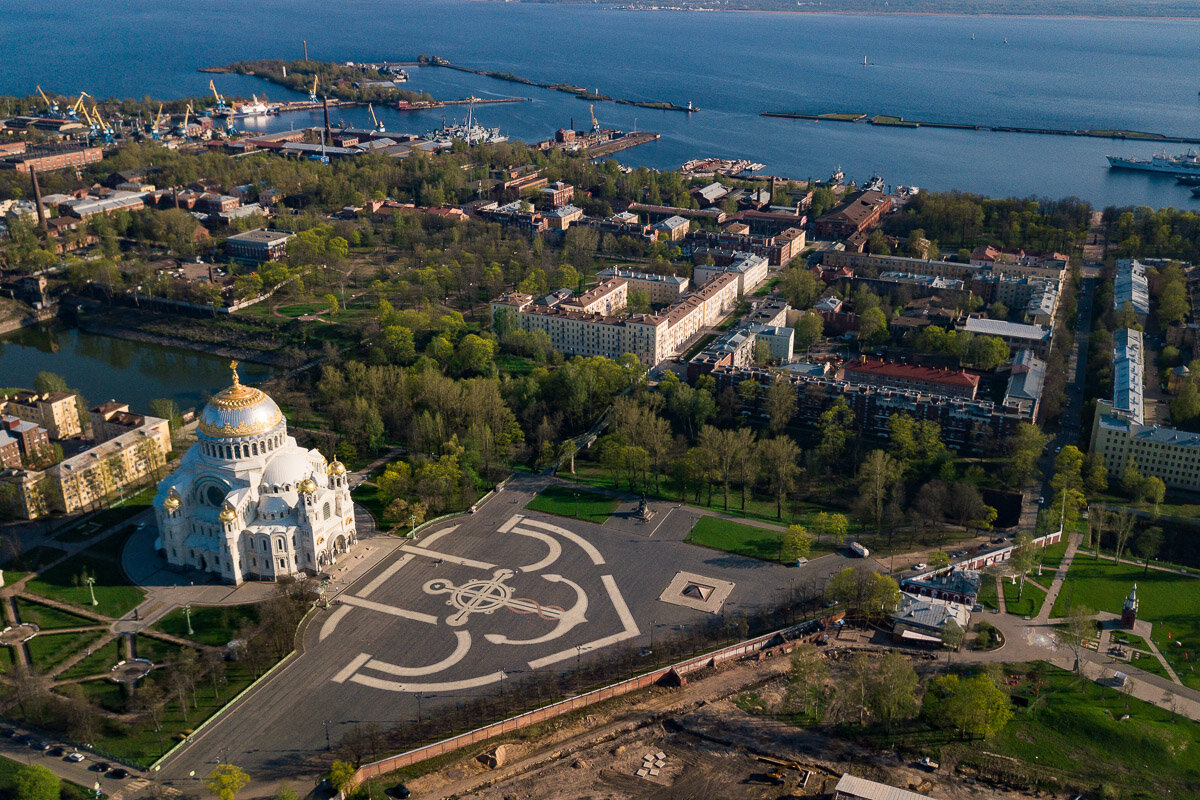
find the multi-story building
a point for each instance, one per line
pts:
(967, 425)
(32, 438)
(557, 194)
(259, 245)
(750, 270)
(57, 412)
(779, 249)
(1017, 336)
(735, 348)
(1130, 285)
(86, 480)
(662, 289)
(933, 380)
(673, 229)
(10, 450)
(948, 269)
(588, 325)
(1128, 375)
(856, 214)
(1026, 381)
(102, 201)
(561, 217)
(46, 158)
(113, 419)
(989, 256)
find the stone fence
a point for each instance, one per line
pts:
(983, 560)
(662, 675)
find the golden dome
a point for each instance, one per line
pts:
(337, 468)
(307, 486)
(172, 501)
(227, 513)
(238, 411)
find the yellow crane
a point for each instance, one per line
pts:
(78, 106)
(154, 129)
(378, 125)
(592, 111)
(105, 128)
(217, 95)
(51, 107)
(312, 93)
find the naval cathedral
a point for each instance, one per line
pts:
(247, 502)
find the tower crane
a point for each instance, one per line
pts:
(378, 125)
(105, 129)
(51, 107)
(155, 131)
(595, 124)
(217, 95)
(312, 93)
(183, 126)
(93, 125)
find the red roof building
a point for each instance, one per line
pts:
(932, 380)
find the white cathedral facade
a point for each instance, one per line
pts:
(247, 502)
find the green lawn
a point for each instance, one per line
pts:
(1077, 727)
(115, 595)
(1168, 600)
(48, 650)
(1052, 556)
(212, 625)
(31, 560)
(1144, 660)
(566, 501)
(156, 650)
(109, 695)
(48, 618)
(1031, 599)
(8, 771)
(736, 537)
(989, 597)
(99, 662)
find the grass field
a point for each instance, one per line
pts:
(212, 625)
(115, 595)
(1052, 556)
(156, 650)
(736, 537)
(1077, 727)
(48, 650)
(1144, 660)
(1031, 599)
(1166, 599)
(989, 597)
(48, 618)
(566, 501)
(99, 662)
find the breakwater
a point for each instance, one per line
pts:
(567, 88)
(888, 120)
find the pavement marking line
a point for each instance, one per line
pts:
(567, 619)
(383, 577)
(460, 560)
(448, 686)
(507, 526)
(351, 668)
(549, 541)
(433, 537)
(630, 629)
(460, 650)
(396, 612)
(331, 623)
(584, 544)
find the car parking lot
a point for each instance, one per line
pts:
(77, 766)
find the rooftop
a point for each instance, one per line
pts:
(999, 327)
(268, 236)
(1128, 369)
(853, 786)
(913, 372)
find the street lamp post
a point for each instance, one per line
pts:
(412, 518)
(91, 582)
(187, 615)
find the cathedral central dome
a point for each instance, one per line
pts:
(238, 411)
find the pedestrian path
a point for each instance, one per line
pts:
(1060, 577)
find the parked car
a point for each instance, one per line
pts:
(58, 750)
(100, 766)
(118, 774)
(75, 758)
(919, 567)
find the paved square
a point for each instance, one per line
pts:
(488, 597)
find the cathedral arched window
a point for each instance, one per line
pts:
(325, 511)
(279, 545)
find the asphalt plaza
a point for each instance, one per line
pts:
(477, 601)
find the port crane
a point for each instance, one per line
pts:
(182, 130)
(155, 130)
(94, 131)
(105, 129)
(312, 93)
(595, 123)
(217, 95)
(73, 111)
(51, 106)
(378, 125)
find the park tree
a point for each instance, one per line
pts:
(341, 775)
(836, 424)
(864, 592)
(721, 444)
(939, 559)
(975, 707)
(810, 327)
(799, 287)
(168, 409)
(781, 405)
(894, 691)
(1154, 490)
(807, 679)
(832, 526)
(285, 793)
(797, 543)
(778, 457)
(45, 382)
(856, 687)
(1149, 542)
(1068, 469)
(872, 326)
(226, 781)
(1021, 560)
(1024, 449)
(877, 476)
(35, 782)
(1121, 522)
(987, 352)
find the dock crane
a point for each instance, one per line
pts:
(217, 95)
(73, 111)
(155, 130)
(595, 124)
(312, 93)
(105, 129)
(51, 106)
(378, 125)
(93, 125)
(182, 130)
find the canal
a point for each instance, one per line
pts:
(105, 368)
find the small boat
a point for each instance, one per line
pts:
(865, 61)
(1188, 180)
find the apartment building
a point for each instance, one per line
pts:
(662, 289)
(873, 372)
(57, 412)
(1016, 335)
(749, 269)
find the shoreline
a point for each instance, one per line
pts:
(135, 335)
(849, 13)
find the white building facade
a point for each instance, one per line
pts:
(247, 502)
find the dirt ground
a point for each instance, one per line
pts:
(711, 749)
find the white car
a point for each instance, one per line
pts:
(919, 567)
(75, 758)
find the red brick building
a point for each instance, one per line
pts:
(859, 213)
(52, 157)
(955, 383)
